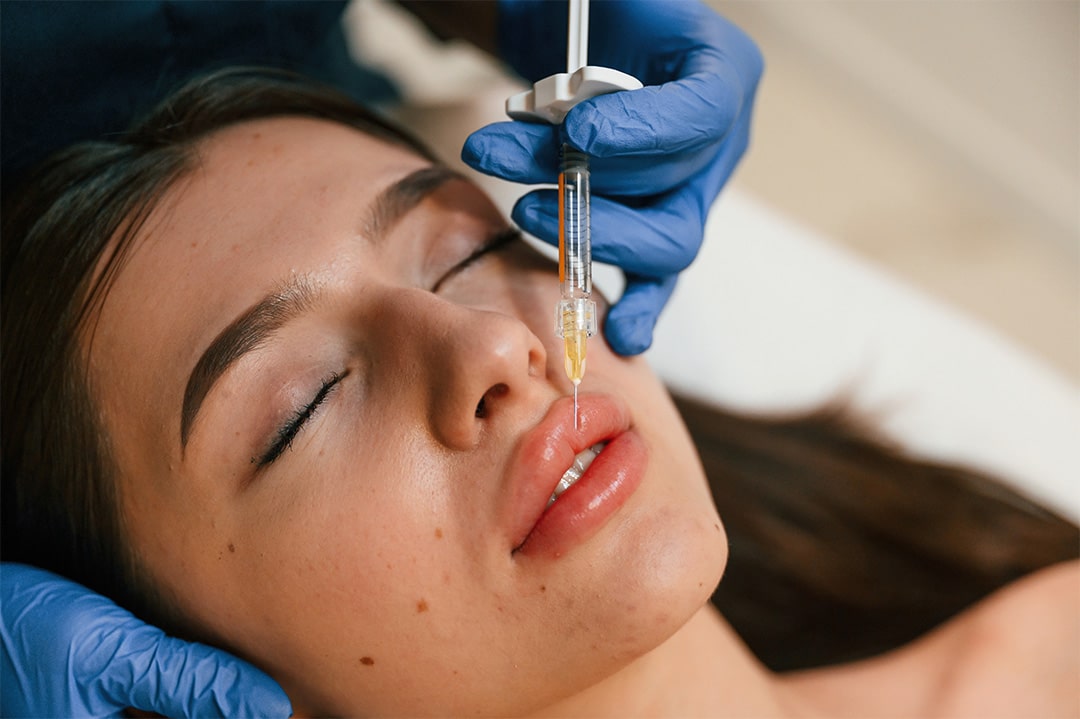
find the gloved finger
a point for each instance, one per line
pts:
(48, 623)
(652, 240)
(517, 151)
(644, 181)
(28, 681)
(529, 153)
(99, 658)
(654, 237)
(676, 118)
(176, 678)
(642, 142)
(629, 324)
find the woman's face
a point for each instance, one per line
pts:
(339, 419)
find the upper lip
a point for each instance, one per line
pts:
(545, 452)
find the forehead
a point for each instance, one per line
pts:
(261, 201)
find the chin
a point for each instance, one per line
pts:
(670, 559)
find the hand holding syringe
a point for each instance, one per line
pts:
(549, 101)
(667, 150)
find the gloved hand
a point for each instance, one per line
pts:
(70, 652)
(660, 155)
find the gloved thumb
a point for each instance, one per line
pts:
(629, 325)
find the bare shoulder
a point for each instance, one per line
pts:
(1054, 589)
(1020, 650)
(1014, 655)
(1042, 605)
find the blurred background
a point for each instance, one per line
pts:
(940, 138)
(937, 138)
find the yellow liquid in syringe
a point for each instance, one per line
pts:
(574, 357)
(574, 340)
(574, 362)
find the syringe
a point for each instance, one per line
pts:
(548, 101)
(575, 313)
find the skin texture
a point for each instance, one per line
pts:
(369, 568)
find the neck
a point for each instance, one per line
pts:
(704, 669)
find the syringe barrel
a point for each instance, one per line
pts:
(575, 247)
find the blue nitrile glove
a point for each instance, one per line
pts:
(68, 652)
(660, 155)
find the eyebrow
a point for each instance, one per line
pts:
(256, 325)
(398, 199)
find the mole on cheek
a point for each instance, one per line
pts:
(232, 547)
(367, 661)
(421, 606)
(438, 533)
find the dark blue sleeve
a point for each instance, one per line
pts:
(76, 70)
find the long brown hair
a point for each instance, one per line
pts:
(841, 546)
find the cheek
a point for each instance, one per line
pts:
(334, 588)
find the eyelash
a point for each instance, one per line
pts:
(288, 431)
(495, 242)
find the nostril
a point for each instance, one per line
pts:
(494, 392)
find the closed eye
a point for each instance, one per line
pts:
(497, 241)
(288, 431)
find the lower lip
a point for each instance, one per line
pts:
(583, 509)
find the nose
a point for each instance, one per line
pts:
(472, 367)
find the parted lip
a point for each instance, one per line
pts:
(546, 451)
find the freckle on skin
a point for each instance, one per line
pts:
(232, 547)
(367, 661)
(438, 533)
(543, 588)
(421, 607)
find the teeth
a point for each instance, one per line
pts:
(581, 462)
